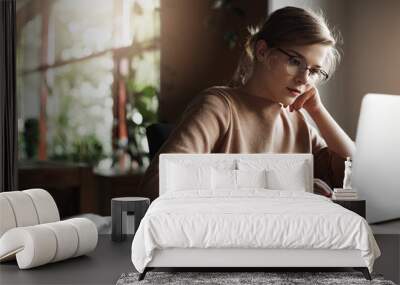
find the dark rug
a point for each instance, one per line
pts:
(228, 278)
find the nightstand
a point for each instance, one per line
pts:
(357, 206)
(120, 207)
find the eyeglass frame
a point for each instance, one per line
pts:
(323, 72)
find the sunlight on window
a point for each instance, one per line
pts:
(86, 38)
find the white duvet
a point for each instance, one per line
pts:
(251, 218)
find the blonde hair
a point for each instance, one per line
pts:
(288, 26)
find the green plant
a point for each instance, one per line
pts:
(67, 145)
(60, 140)
(87, 149)
(141, 112)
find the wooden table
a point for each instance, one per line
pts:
(70, 184)
(357, 205)
(112, 183)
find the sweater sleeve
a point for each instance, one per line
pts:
(328, 165)
(202, 126)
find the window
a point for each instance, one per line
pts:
(87, 80)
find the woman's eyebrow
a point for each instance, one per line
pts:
(303, 57)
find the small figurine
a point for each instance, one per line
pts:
(347, 174)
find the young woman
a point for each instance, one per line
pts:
(276, 80)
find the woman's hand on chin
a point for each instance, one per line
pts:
(309, 100)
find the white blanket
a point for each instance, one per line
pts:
(251, 218)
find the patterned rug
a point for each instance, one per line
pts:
(243, 278)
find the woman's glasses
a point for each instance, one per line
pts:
(296, 64)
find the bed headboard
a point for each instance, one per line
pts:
(236, 161)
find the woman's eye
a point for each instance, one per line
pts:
(295, 61)
(314, 72)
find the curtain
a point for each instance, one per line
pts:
(8, 107)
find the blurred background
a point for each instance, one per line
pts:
(93, 74)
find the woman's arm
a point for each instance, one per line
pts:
(337, 140)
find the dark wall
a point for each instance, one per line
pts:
(194, 53)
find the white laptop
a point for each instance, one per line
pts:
(376, 165)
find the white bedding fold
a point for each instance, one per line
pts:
(250, 218)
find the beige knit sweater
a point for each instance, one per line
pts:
(227, 120)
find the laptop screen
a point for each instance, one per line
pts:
(376, 165)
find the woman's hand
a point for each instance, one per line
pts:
(309, 100)
(336, 139)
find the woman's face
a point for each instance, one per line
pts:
(277, 74)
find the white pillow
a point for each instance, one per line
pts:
(292, 179)
(182, 177)
(281, 174)
(229, 179)
(224, 179)
(251, 178)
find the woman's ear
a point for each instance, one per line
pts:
(263, 54)
(261, 50)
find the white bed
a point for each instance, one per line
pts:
(202, 220)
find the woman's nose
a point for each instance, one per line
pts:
(302, 76)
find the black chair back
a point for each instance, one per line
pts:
(157, 134)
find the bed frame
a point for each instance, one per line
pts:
(242, 259)
(246, 259)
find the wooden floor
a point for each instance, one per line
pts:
(103, 266)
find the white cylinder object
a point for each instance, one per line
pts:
(7, 218)
(67, 240)
(87, 234)
(23, 207)
(45, 205)
(33, 246)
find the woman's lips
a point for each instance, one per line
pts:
(294, 92)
